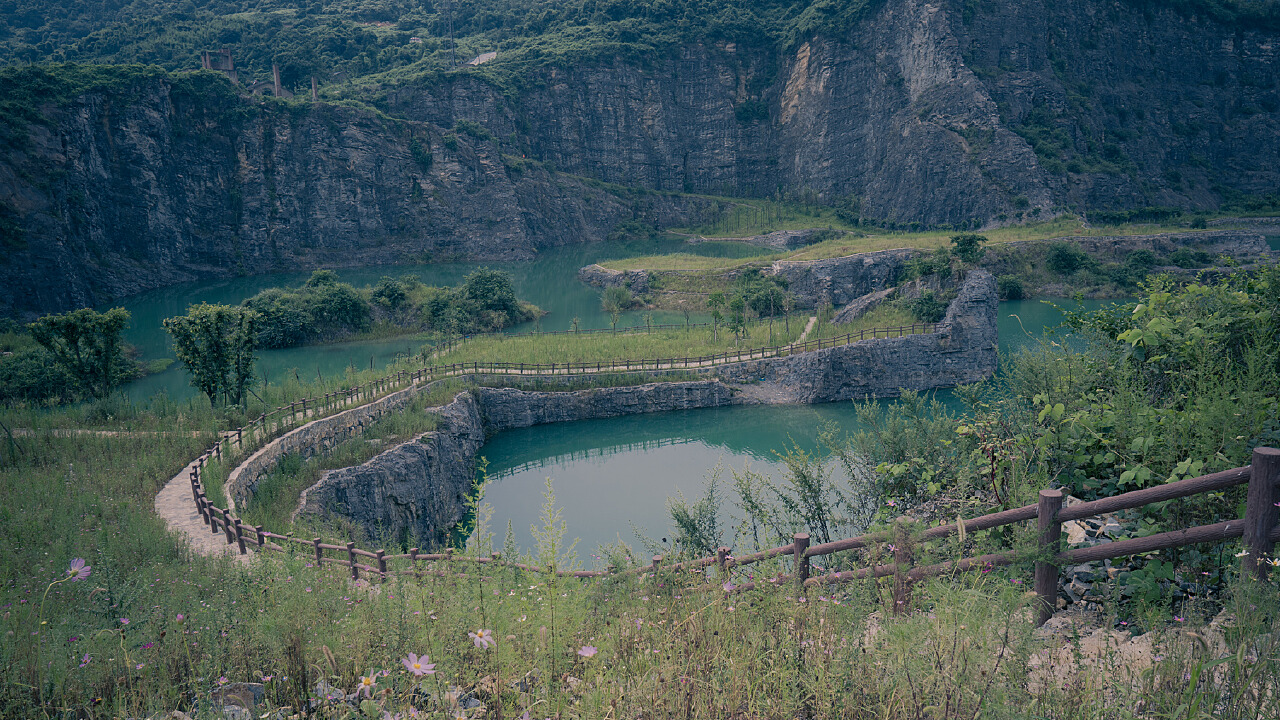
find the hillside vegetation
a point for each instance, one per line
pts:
(361, 37)
(1181, 384)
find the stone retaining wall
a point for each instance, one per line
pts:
(317, 437)
(418, 490)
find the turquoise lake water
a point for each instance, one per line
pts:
(609, 475)
(613, 476)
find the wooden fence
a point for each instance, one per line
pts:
(1258, 528)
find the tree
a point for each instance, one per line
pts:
(715, 302)
(389, 293)
(614, 301)
(492, 291)
(216, 343)
(87, 344)
(968, 247)
(320, 278)
(737, 317)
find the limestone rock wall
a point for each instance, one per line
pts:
(418, 489)
(842, 280)
(963, 350)
(317, 437)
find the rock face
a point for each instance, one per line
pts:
(114, 196)
(929, 112)
(778, 239)
(388, 495)
(507, 408)
(602, 277)
(946, 113)
(962, 350)
(840, 281)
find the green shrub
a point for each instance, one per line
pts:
(1009, 287)
(928, 308)
(1190, 259)
(968, 247)
(1065, 258)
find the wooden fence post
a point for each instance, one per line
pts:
(230, 530)
(657, 560)
(902, 559)
(382, 564)
(799, 544)
(262, 535)
(319, 551)
(413, 560)
(1260, 512)
(240, 537)
(1046, 582)
(351, 557)
(722, 561)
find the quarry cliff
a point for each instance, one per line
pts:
(947, 114)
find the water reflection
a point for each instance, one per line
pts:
(613, 473)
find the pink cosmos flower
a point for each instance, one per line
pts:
(587, 651)
(124, 621)
(484, 639)
(419, 666)
(78, 570)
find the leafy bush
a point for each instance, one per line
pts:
(1066, 258)
(968, 247)
(919, 266)
(389, 293)
(1190, 259)
(929, 307)
(1009, 287)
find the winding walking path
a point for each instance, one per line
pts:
(175, 504)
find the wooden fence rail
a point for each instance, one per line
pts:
(1259, 526)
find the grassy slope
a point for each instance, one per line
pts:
(861, 242)
(665, 647)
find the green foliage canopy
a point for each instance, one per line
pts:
(87, 344)
(216, 343)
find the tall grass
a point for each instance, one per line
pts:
(613, 347)
(872, 240)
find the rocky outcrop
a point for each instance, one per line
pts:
(636, 281)
(842, 280)
(962, 350)
(777, 240)
(317, 437)
(861, 306)
(419, 489)
(507, 408)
